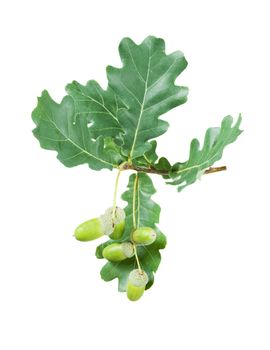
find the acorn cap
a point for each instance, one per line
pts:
(138, 278)
(108, 224)
(127, 249)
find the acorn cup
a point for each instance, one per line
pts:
(104, 225)
(137, 281)
(118, 251)
(144, 236)
(114, 227)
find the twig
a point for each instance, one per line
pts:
(152, 170)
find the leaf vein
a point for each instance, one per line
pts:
(76, 145)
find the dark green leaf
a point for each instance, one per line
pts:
(145, 84)
(59, 128)
(163, 165)
(216, 139)
(149, 156)
(100, 107)
(111, 148)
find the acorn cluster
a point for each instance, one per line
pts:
(112, 224)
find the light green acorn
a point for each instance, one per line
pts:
(118, 230)
(113, 227)
(89, 230)
(118, 251)
(144, 236)
(137, 281)
(104, 225)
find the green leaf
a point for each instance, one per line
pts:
(147, 214)
(216, 139)
(60, 129)
(99, 106)
(149, 156)
(163, 165)
(145, 84)
(110, 147)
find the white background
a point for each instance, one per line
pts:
(212, 289)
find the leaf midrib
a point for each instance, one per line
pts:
(142, 108)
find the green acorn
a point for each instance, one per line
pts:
(137, 281)
(118, 230)
(114, 228)
(144, 236)
(104, 225)
(89, 230)
(118, 251)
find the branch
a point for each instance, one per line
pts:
(215, 170)
(152, 170)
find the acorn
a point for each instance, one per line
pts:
(118, 230)
(89, 230)
(144, 236)
(118, 251)
(104, 225)
(137, 280)
(114, 227)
